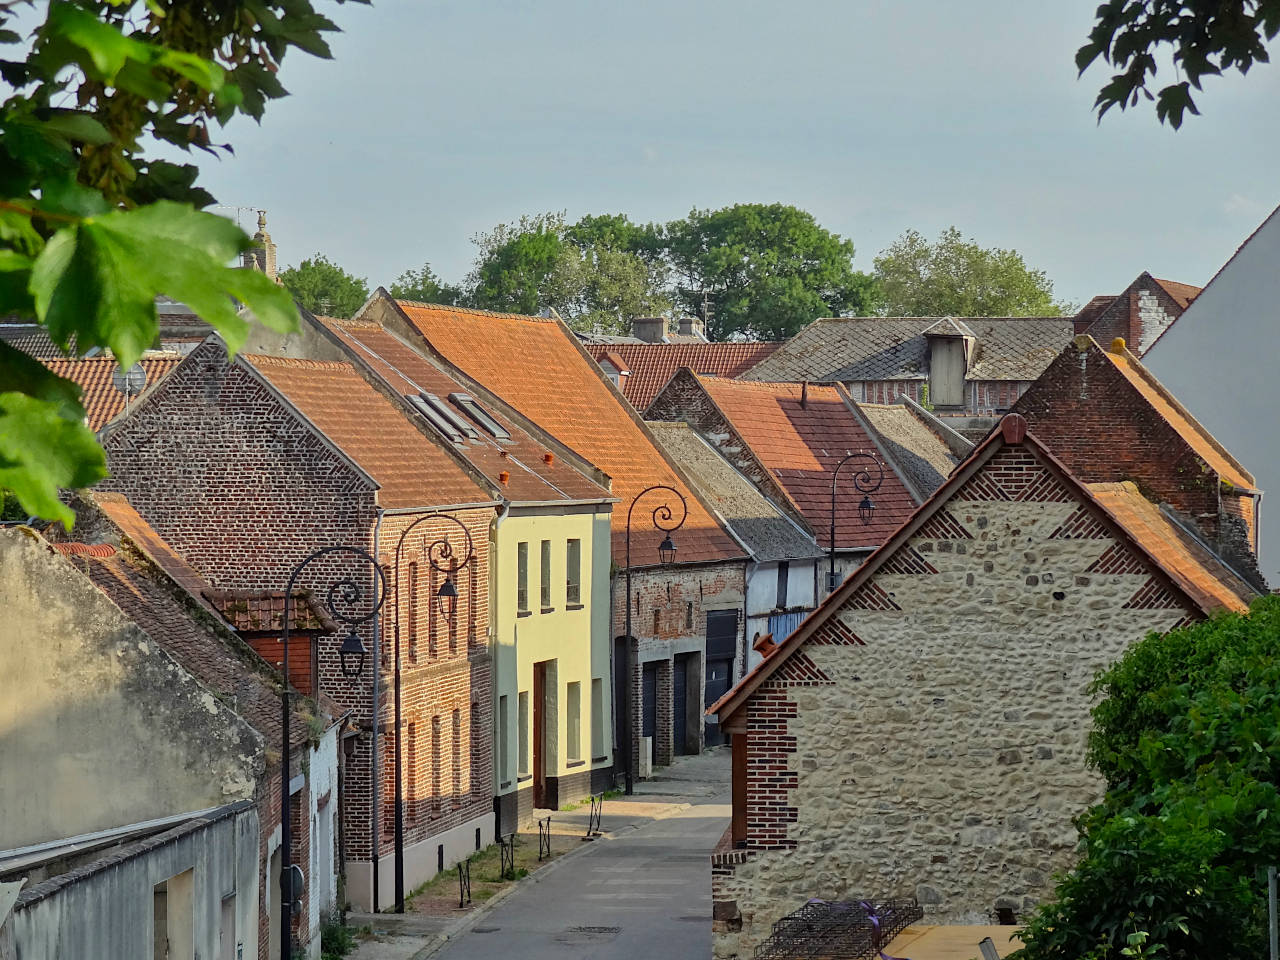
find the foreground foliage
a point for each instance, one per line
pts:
(1173, 859)
(92, 229)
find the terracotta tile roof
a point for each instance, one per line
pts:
(766, 530)
(1164, 403)
(102, 401)
(405, 370)
(32, 339)
(372, 431)
(923, 455)
(1204, 577)
(262, 611)
(652, 364)
(538, 367)
(849, 349)
(800, 444)
(1182, 293)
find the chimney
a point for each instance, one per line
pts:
(262, 256)
(804, 394)
(692, 327)
(649, 329)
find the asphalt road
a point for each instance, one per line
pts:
(645, 892)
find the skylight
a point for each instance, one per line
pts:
(433, 418)
(442, 408)
(479, 414)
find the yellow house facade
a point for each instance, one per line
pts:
(552, 694)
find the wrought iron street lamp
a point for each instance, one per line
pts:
(866, 484)
(442, 558)
(342, 598)
(662, 520)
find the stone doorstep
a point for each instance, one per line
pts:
(959, 942)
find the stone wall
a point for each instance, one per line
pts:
(929, 740)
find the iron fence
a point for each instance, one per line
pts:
(594, 817)
(464, 883)
(507, 852)
(544, 839)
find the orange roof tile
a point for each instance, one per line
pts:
(537, 366)
(1182, 293)
(102, 401)
(652, 364)
(410, 469)
(407, 371)
(1196, 436)
(1204, 577)
(801, 446)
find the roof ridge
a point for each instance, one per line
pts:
(301, 363)
(474, 311)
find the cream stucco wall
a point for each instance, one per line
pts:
(574, 640)
(99, 727)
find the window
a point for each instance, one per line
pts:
(784, 568)
(438, 422)
(597, 717)
(450, 415)
(435, 766)
(573, 572)
(523, 734)
(457, 758)
(522, 577)
(411, 775)
(688, 615)
(173, 918)
(657, 621)
(479, 414)
(545, 575)
(573, 717)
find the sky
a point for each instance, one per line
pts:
(437, 119)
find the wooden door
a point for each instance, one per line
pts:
(539, 734)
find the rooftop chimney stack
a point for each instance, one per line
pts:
(692, 327)
(649, 329)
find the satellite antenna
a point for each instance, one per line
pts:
(130, 382)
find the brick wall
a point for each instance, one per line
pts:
(929, 740)
(988, 398)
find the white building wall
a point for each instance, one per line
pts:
(1218, 359)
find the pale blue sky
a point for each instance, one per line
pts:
(438, 119)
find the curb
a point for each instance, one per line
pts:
(470, 920)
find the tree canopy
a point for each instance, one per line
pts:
(954, 277)
(93, 225)
(424, 286)
(1205, 37)
(325, 288)
(1187, 737)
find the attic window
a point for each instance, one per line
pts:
(442, 408)
(433, 418)
(479, 414)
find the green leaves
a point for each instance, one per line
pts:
(41, 451)
(97, 280)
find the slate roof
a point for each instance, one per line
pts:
(769, 533)
(33, 340)
(922, 453)
(1166, 405)
(405, 370)
(848, 349)
(1207, 583)
(371, 430)
(1195, 568)
(652, 364)
(102, 401)
(801, 444)
(538, 367)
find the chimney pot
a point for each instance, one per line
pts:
(504, 478)
(549, 458)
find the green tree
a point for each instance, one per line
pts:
(955, 277)
(1187, 737)
(521, 267)
(92, 229)
(1205, 37)
(767, 269)
(325, 288)
(424, 286)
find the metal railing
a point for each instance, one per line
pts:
(464, 883)
(544, 839)
(594, 817)
(507, 852)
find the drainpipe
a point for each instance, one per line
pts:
(503, 510)
(375, 819)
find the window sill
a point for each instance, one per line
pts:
(574, 763)
(575, 606)
(599, 759)
(524, 613)
(548, 609)
(524, 778)
(504, 785)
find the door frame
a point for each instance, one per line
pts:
(539, 734)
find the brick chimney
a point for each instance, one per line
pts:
(692, 327)
(262, 256)
(649, 329)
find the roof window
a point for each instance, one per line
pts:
(479, 414)
(432, 417)
(442, 408)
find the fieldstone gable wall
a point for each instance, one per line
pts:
(929, 739)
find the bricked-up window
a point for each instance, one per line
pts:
(784, 569)
(523, 733)
(657, 621)
(436, 763)
(457, 758)
(504, 740)
(573, 719)
(688, 615)
(522, 577)
(411, 774)
(597, 717)
(475, 784)
(545, 575)
(413, 612)
(573, 571)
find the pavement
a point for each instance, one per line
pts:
(645, 880)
